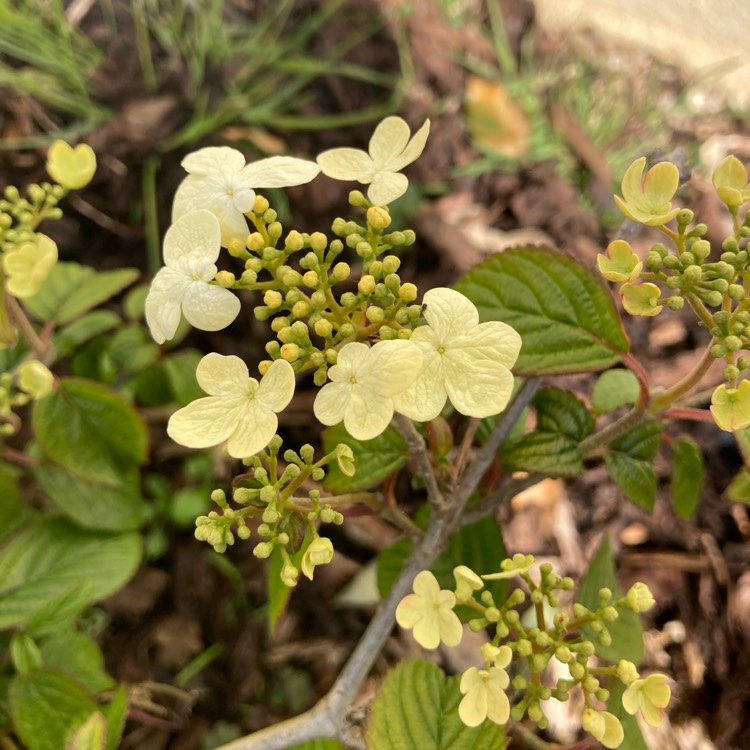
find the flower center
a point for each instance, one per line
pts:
(441, 350)
(353, 379)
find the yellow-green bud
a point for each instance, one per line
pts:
(341, 271)
(318, 242)
(731, 372)
(263, 366)
(299, 330)
(261, 205)
(376, 269)
(349, 299)
(323, 328)
(290, 352)
(273, 299)
(236, 247)
(356, 198)
(733, 343)
(293, 296)
(693, 273)
(378, 217)
(366, 285)
(255, 242)
(262, 550)
(248, 277)
(294, 241)
(301, 308)
(701, 249)
(676, 303)
(391, 264)
(291, 278)
(318, 299)
(363, 249)
(387, 333)
(274, 229)
(310, 279)
(736, 292)
(375, 314)
(684, 216)
(339, 227)
(225, 279)
(393, 283)
(320, 376)
(273, 349)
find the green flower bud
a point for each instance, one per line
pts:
(366, 285)
(248, 277)
(364, 249)
(604, 638)
(393, 283)
(743, 363)
(310, 279)
(375, 314)
(671, 262)
(225, 279)
(387, 333)
(301, 308)
(263, 550)
(721, 318)
(698, 230)
(285, 335)
(290, 352)
(397, 238)
(391, 264)
(318, 242)
(736, 292)
(323, 328)
(692, 273)
(356, 198)
(684, 217)
(294, 241)
(273, 349)
(292, 278)
(676, 303)
(701, 249)
(349, 299)
(733, 343)
(320, 376)
(731, 372)
(687, 259)
(577, 670)
(718, 351)
(653, 261)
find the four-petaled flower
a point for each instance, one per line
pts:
(650, 696)
(730, 180)
(641, 299)
(363, 384)
(71, 167)
(649, 199)
(484, 692)
(221, 182)
(191, 248)
(620, 263)
(463, 359)
(318, 552)
(429, 610)
(28, 266)
(238, 409)
(604, 726)
(390, 151)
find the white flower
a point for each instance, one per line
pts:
(484, 692)
(28, 265)
(364, 381)
(191, 248)
(238, 408)
(429, 610)
(650, 696)
(318, 552)
(221, 182)
(390, 151)
(464, 360)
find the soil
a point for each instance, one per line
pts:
(185, 600)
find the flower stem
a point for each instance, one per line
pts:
(665, 399)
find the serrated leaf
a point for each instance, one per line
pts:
(50, 559)
(47, 707)
(374, 459)
(739, 488)
(416, 708)
(71, 289)
(687, 476)
(626, 630)
(613, 389)
(479, 546)
(132, 349)
(633, 737)
(91, 430)
(562, 412)
(630, 463)
(91, 735)
(94, 503)
(78, 656)
(180, 369)
(564, 314)
(84, 329)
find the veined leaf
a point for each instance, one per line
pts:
(78, 656)
(91, 735)
(416, 708)
(613, 389)
(739, 488)
(687, 476)
(564, 314)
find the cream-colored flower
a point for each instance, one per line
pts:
(221, 182)
(72, 168)
(429, 611)
(639, 597)
(649, 199)
(28, 266)
(464, 360)
(238, 409)
(512, 566)
(318, 552)
(604, 726)
(390, 150)
(364, 381)
(467, 582)
(35, 379)
(191, 249)
(650, 696)
(484, 693)
(730, 407)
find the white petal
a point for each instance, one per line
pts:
(276, 386)
(390, 367)
(388, 141)
(386, 187)
(164, 303)
(192, 242)
(352, 358)
(412, 151)
(255, 428)
(347, 164)
(491, 340)
(425, 399)
(367, 415)
(331, 402)
(477, 388)
(214, 159)
(449, 313)
(209, 308)
(280, 171)
(223, 375)
(205, 422)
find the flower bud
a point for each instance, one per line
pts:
(639, 598)
(323, 328)
(349, 299)
(263, 550)
(273, 298)
(378, 217)
(294, 241)
(375, 314)
(318, 242)
(290, 352)
(676, 302)
(366, 285)
(255, 242)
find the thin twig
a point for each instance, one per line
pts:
(503, 494)
(418, 450)
(466, 443)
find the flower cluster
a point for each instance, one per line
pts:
(690, 273)
(528, 649)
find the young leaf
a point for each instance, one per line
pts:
(417, 708)
(47, 707)
(91, 430)
(71, 289)
(687, 477)
(91, 735)
(630, 463)
(48, 560)
(739, 488)
(626, 630)
(565, 315)
(374, 459)
(613, 389)
(24, 653)
(79, 656)
(84, 329)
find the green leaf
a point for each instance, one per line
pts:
(91, 430)
(59, 611)
(743, 440)
(630, 463)
(374, 459)
(84, 329)
(50, 559)
(94, 503)
(416, 708)
(91, 735)
(479, 546)
(78, 656)
(116, 712)
(71, 289)
(739, 488)
(633, 737)
(320, 745)
(687, 477)
(626, 630)
(132, 349)
(180, 368)
(564, 314)
(13, 515)
(278, 593)
(24, 653)
(47, 707)
(613, 389)
(553, 448)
